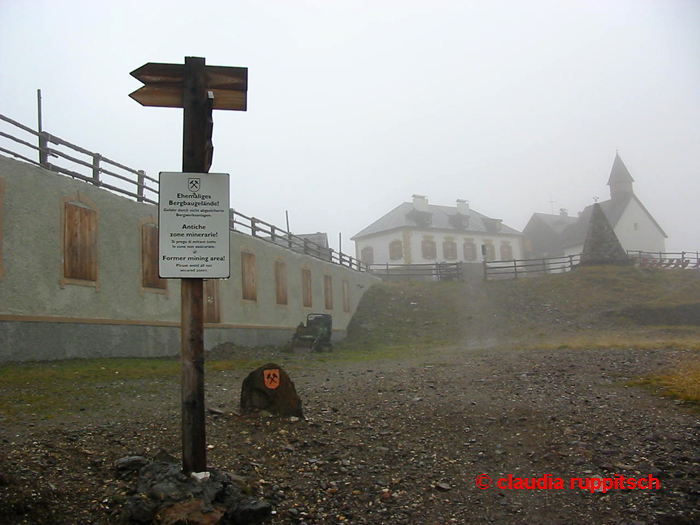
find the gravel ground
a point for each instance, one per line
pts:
(398, 440)
(394, 442)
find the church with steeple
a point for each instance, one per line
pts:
(549, 235)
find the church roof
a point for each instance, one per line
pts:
(619, 172)
(436, 218)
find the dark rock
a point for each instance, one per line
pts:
(167, 491)
(164, 456)
(248, 511)
(192, 512)
(164, 492)
(270, 388)
(130, 463)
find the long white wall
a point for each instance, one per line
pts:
(42, 317)
(412, 247)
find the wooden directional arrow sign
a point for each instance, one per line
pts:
(164, 86)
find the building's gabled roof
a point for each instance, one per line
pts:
(619, 172)
(320, 238)
(575, 234)
(556, 223)
(436, 218)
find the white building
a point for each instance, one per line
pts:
(418, 233)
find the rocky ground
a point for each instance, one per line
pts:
(396, 440)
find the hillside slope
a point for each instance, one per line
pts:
(592, 300)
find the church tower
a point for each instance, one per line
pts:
(620, 180)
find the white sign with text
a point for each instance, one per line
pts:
(193, 217)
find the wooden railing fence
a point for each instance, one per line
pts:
(404, 272)
(533, 267)
(668, 260)
(515, 269)
(104, 173)
(96, 168)
(271, 233)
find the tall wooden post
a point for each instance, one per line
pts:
(43, 154)
(194, 160)
(192, 86)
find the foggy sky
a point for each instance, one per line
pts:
(353, 106)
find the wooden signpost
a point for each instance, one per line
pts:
(197, 88)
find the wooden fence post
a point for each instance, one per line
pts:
(43, 142)
(96, 168)
(141, 188)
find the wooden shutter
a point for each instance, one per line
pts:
(328, 291)
(346, 296)
(281, 282)
(212, 303)
(429, 249)
(249, 276)
(2, 198)
(449, 250)
(469, 251)
(395, 250)
(306, 292)
(80, 242)
(149, 258)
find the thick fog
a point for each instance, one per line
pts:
(353, 106)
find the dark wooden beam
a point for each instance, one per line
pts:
(194, 160)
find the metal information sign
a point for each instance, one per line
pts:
(193, 216)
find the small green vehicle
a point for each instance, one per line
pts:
(317, 333)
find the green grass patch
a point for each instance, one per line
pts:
(671, 338)
(682, 382)
(46, 389)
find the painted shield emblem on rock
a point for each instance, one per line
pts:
(272, 378)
